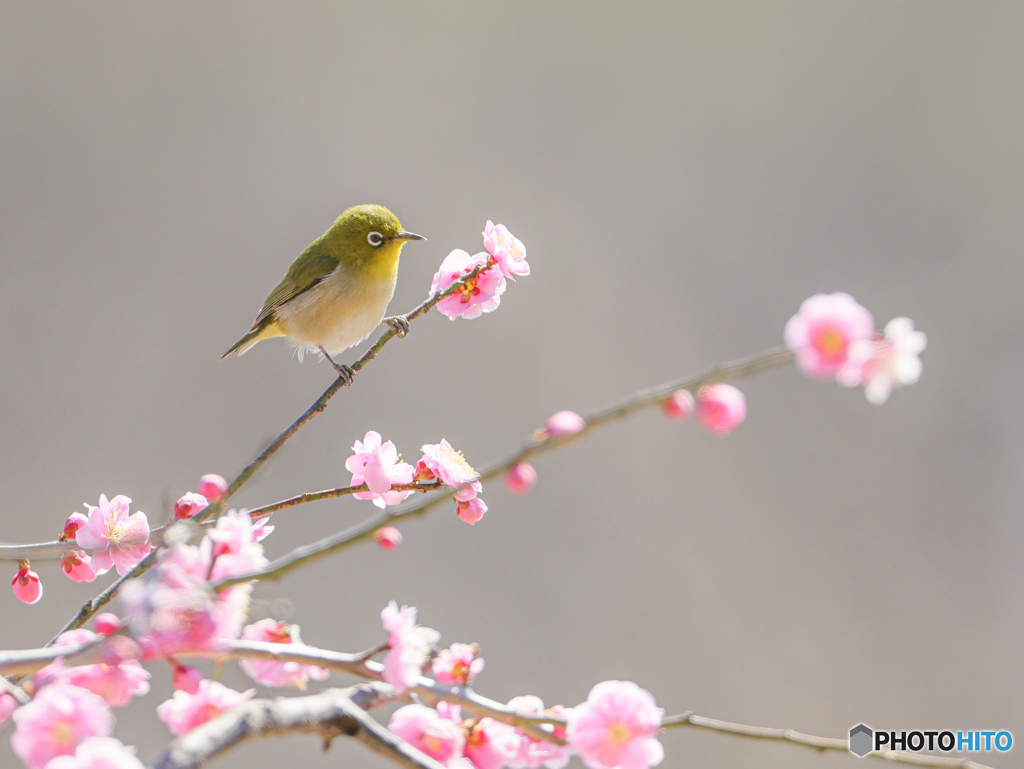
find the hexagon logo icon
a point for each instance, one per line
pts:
(861, 739)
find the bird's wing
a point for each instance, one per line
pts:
(305, 272)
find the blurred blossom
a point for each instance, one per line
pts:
(509, 252)
(189, 504)
(491, 744)
(477, 296)
(233, 545)
(422, 727)
(408, 644)
(617, 727)
(186, 678)
(184, 712)
(213, 487)
(887, 362)
(721, 408)
(564, 423)
(107, 623)
(114, 537)
(99, 753)
(822, 331)
(521, 478)
(115, 682)
(388, 537)
(529, 752)
(26, 585)
(458, 664)
(679, 405)
(77, 566)
(57, 719)
(7, 706)
(272, 672)
(377, 465)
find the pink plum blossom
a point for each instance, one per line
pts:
(77, 566)
(521, 478)
(186, 678)
(470, 510)
(408, 644)
(173, 610)
(99, 753)
(107, 623)
(213, 487)
(377, 465)
(442, 461)
(477, 296)
(74, 522)
(720, 408)
(184, 712)
(490, 744)
(388, 537)
(114, 537)
(564, 423)
(26, 585)
(458, 664)
(508, 251)
(424, 729)
(7, 706)
(679, 405)
(190, 504)
(116, 682)
(886, 362)
(617, 727)
(822, 331)
(529, 752)
(56, 721)
(233, 545)
(271, 672)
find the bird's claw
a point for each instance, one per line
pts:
(346, 373)
(399, 324)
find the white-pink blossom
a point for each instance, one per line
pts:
(530, 752)
(114, 537)
(822, 331)
(408, 646)
(57, 719)
(617, 727)
(887, 362)
(272, 672)
(479, 295)
(184, 712)
(507, 250)
(233, 545)
(458, 664)
(99, 753)
(423, 728)
(376, 464)
(446, 463)
(116, 681)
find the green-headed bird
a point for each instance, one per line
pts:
(336, 291)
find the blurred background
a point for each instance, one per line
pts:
(683, 176)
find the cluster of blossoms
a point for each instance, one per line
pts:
(615, 728)
(378, 465)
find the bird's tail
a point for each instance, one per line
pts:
(254, 335)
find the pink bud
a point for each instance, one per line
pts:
(471, 511)
(186, 679)
(190, 504)
(423, 473)
(564, 423)
(74, 522)
(388, 537)
(720, 408)
(213, 487)
(107, 624)
(521, 478)
(26, 584)
(78, 566)
(679, 405)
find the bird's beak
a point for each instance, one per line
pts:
(403, 235)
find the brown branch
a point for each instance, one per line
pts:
(810, 741)
(300, 556)
(315, 496)
(330, 714)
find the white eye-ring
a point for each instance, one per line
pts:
(375, 239)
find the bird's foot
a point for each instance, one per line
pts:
(345, 372)
(399, 324)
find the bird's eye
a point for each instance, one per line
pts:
(375, 239)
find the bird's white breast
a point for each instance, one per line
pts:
(338, 312)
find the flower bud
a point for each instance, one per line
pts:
(679, 405)
(720, 408)
(564, 423)
(388, 537)
(190, 504)
(78, 566)
(26, 584)
(74, 522)
(521, 478)
(213, 487)
(107, 624)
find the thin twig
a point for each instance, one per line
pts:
(810, 741)
(747, 367)
(314, 496)
(332, 713)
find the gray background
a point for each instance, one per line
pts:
(683, 175)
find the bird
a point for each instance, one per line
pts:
(336, 291)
